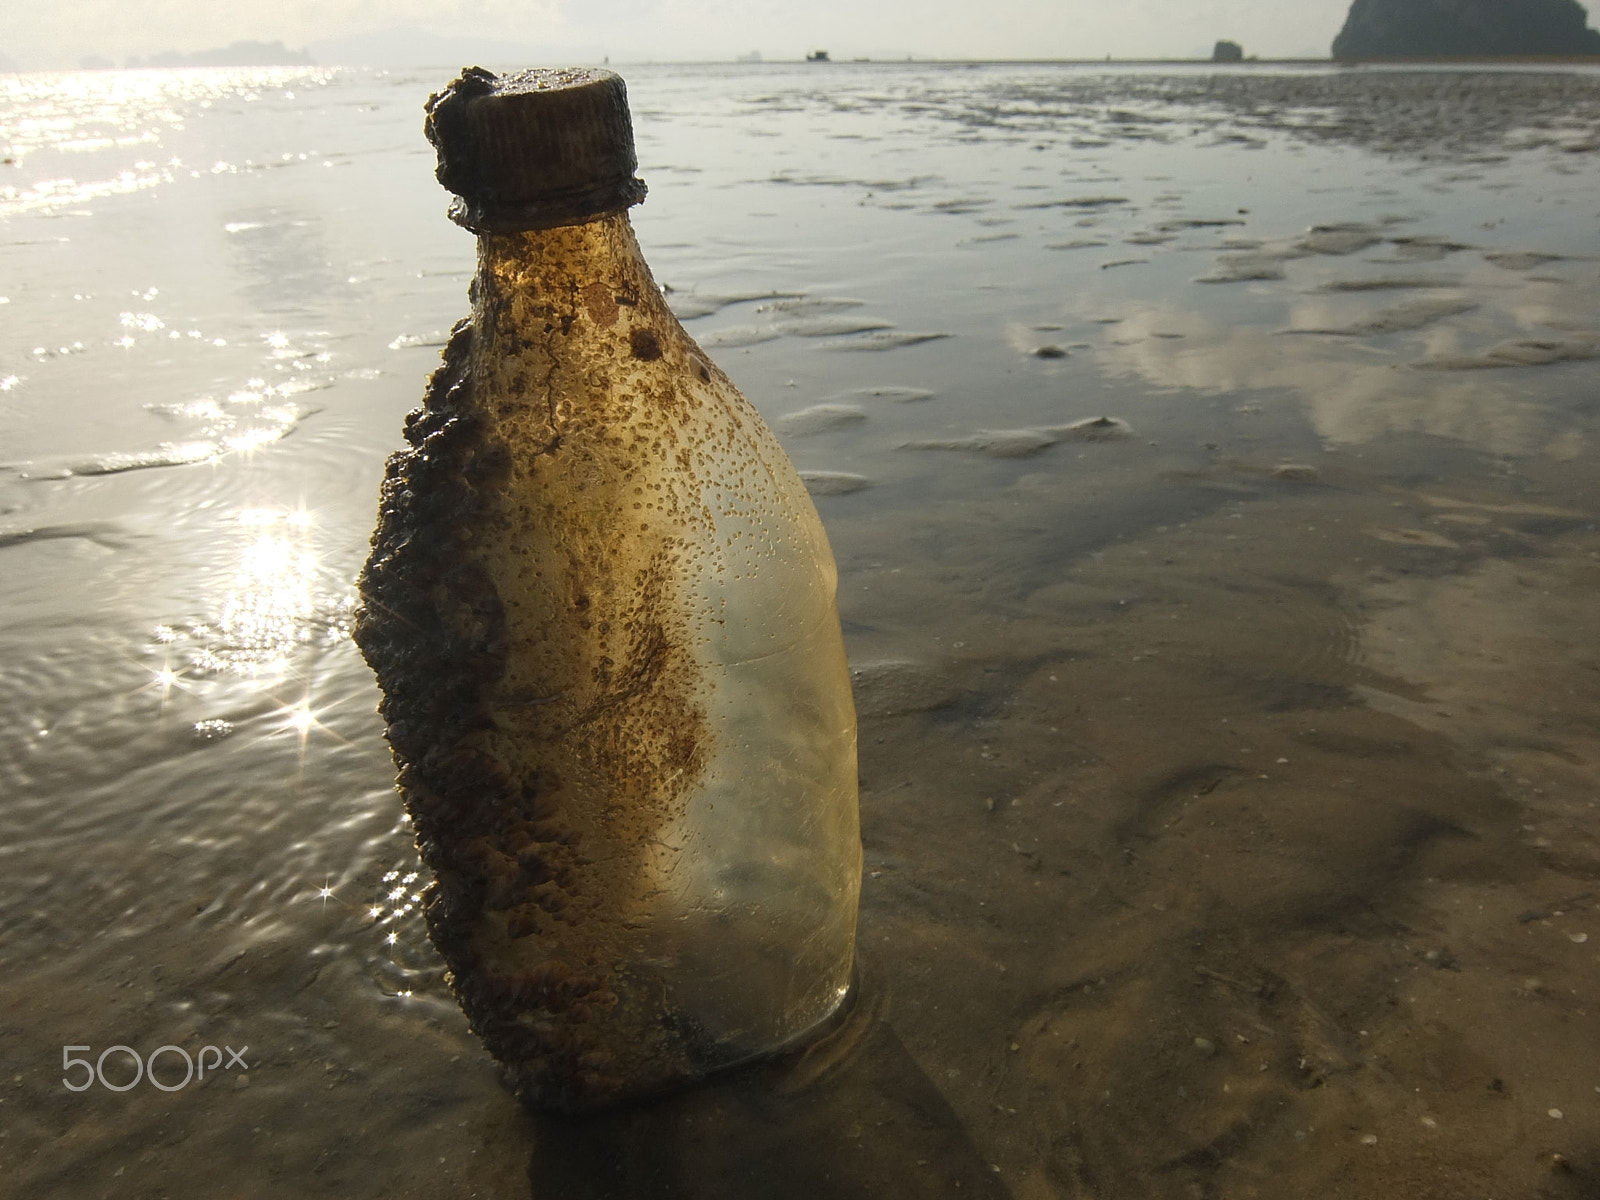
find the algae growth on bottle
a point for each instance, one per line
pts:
(601, 609)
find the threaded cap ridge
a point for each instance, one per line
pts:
(535, 149)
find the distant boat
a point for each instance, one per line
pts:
(817, 56)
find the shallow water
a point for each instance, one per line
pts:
(1209, 461)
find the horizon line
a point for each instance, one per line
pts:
(1253, 61)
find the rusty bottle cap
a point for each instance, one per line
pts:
(535, 149)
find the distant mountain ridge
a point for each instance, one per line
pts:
(239, 54)
(411, 47)
(1465, 29)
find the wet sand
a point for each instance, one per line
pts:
(1267, 852)
(1228, 693)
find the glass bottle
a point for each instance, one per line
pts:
(601, 608)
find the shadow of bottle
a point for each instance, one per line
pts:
(851, 1118)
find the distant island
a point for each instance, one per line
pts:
(1465, 29)
(240, 54)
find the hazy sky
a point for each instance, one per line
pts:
(42, 34)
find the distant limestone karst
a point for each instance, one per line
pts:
(240, 54)
(1226, 51)
(1465, 29)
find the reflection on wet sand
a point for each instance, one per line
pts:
(1428, 383)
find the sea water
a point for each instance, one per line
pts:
(1208, 456)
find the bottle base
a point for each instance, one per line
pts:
(848, 1116)
(799, 1060)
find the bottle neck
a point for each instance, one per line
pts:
(597, 250)
(572, 315)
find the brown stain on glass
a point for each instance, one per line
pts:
(539, 676)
